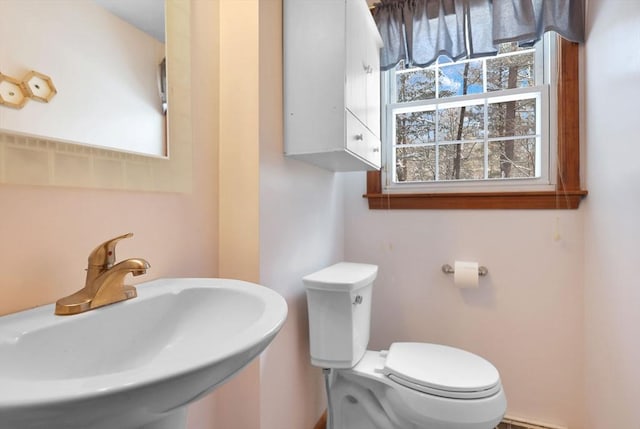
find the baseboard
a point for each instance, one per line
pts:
(517, 423)
(507, 423)
(322, 423)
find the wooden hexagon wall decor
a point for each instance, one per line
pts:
(12, 93)
(39, 86)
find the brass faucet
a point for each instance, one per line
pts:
(105, 280)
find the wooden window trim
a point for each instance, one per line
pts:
(568, 192)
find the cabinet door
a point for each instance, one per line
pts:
(373, 84)
(361, 141)
(357, 65)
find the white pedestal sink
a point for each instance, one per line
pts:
(136, 364)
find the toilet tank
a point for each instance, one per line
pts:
(339, 304)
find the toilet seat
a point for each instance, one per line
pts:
(441, 370)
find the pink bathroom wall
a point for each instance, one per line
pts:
(47, 234)
(238, 401)
(526, 316)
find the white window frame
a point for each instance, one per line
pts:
(546, 66)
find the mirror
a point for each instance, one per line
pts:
(44, 159)
(106, 71)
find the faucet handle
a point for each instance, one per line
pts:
(104, 256)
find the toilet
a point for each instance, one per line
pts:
(408, 386)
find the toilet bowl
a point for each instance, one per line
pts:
(408, 386)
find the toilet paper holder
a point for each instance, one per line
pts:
(448, 269)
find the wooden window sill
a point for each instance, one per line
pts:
(567, 196)
(479, 200)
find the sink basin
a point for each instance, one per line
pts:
(134, 364)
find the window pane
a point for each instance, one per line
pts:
(415, 128)
(513, 71)
(460, 79)
(415, 164)
(512, 118)
(512, 159)
(451, 128)
(461, 123)
(508, 47)
(415, 85)
(461, 161)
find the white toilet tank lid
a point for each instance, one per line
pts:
(441, 368)
(343, 276)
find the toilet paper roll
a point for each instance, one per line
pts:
(465, 274)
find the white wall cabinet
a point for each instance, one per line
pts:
(332, 84)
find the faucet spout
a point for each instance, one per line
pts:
(105, 281)
(110, 287)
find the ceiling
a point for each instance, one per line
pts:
(147, 15)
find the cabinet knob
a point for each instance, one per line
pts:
(359, 137)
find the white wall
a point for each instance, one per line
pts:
(301, 231)
(526, 317)
(612, 230)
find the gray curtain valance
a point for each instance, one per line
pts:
(419, 31)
